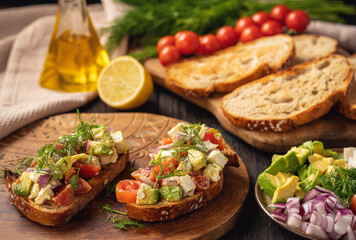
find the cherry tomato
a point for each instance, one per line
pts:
(215, 137)
(167, 164)
(279, 13)
(208, 44)
(165, 41)
(83, 187)
(168, 55)
(140, 172)
(202, 183)
(250, 33)
(86, 170)
(71, 172)
(353, 203)
(271, 28)
(242, 23)
(260, 18)
(64, 197)
(187, 42)
(166, 141)
(126, 191)
(227, 36)
(297, 20)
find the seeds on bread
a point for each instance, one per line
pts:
(289, 98)
(231, 67)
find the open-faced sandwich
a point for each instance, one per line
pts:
(69, 173)
(184, 173)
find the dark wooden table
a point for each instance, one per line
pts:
(252, 222)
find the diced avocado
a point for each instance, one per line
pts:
(291, 159)
(278, 165)
(23, 185)
(268, 183)
(101, 133)
(64, 164)
(99, 148)
(120, 144)
(302, 154)
(287, 163)
(303, 172)
(184, 168)
(318, 147)
(171, 193)
(34, 191)
(212, 171)
(320, 165)
(44, 194)
(282, 178)
(307, 144)
(147, 195)
(329, 160)
(217, 157)
(276, 157)
(307, 184)
(197, 159)
(299, 192)
(330, 153)
(341, 163)
(286, 191)
(315, 157)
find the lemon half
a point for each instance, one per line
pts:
(124, 83)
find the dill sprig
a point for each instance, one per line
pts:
(149, 20)
(123, 224)
(110, 188)
(342, 182)
(109, 209)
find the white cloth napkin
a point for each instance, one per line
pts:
(24, 37)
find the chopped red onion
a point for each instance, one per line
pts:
(277, 205)
(320, 208)
(316, 231)
(304, 226)
(167, 146)
(86, 146)
(44, 178)
(57, 188)
(146, 180)
(341, 224)
(293, 202)
(330, 224)
(278, 215)
(294, 220)
(30, 170)
(311, 195)
(350, 234)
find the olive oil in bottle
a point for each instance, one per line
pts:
(75, 57)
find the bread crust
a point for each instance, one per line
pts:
(165, 210)
(177, 82)
(285, 124)
(52, 215)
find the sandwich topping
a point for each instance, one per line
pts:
(60, 170)
(188, 161)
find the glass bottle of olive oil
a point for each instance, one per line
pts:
(75, 56)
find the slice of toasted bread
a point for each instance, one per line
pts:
(309, 47)
(231, 67)
(50, 214)
(289, 98)
(165, 210)
(347, 106)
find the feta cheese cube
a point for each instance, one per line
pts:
(105, 160)
(350, 156)
(120, 144)
(187, 185)
(217, 157)
(212, 171)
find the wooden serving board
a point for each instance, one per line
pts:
(142, 133)
(333, 129)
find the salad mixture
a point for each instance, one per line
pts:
(313, 190)
(190, 160)
(59, 171)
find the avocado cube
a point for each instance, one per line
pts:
(320, 165)
(299, 193)
(286, 191)
(275, 157)
(341, 163)
(147, 195)
(302, 154)
(317, 147)
(197, 159)
(303, 172)
(99, 148)
(101, 133)
(268, 183)
(278, 165)
(171, 193)
(23, 185)
(315, 157)
(282, 178)
(330, 153)
(307, 144)
(307, 184)
(184, 168)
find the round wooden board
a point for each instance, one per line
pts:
(142, 132)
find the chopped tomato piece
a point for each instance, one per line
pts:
(71, 172)
(167, 165)
(86, 170)
(83, 187)
(215, 137)
(140, 172)
(126, 191)
(166, 141)
(64, 197)
(202, 183)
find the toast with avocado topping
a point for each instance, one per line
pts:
(229, 68)
(291, 97)
(184, 173)
(67, 174)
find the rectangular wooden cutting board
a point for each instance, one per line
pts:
(333, 129)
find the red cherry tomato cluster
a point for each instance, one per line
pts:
(171, 48)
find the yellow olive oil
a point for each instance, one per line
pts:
(73, 61)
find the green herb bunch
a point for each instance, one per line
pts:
(149, 20)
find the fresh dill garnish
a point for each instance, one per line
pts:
(342, 182)
(110, 188)
(132, 168)
(109, 209)
(17, 170)
(74, 181)
(123, 224)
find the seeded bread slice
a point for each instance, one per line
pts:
(309, 47)
(347, 106)
(231, 67)
(290, 98)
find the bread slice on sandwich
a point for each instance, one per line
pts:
(309, 47)
(290, 98)
(347, 106)
(231, 67)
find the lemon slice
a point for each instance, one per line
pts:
(124, 83)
